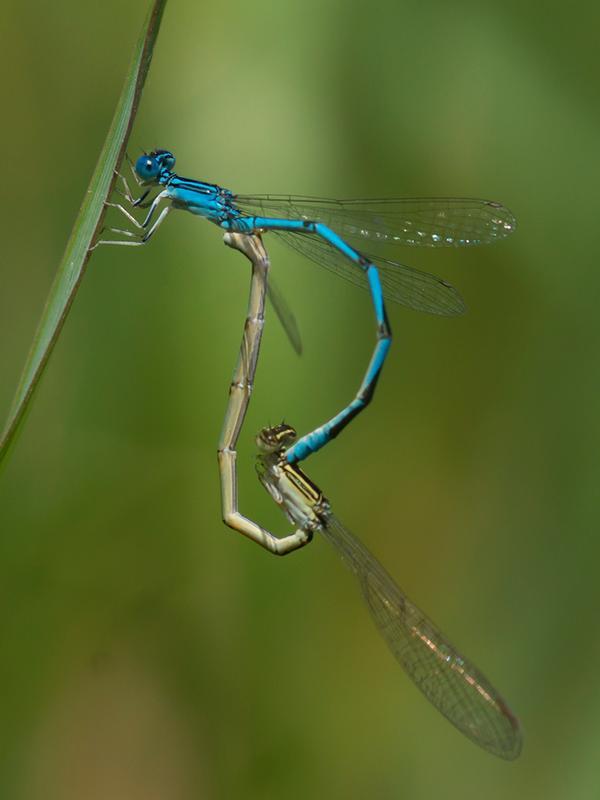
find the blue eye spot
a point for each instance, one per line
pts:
(147, 167)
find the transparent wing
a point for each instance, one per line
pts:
(410, 287)
(285, 314)
(412, 222)
(454, 686)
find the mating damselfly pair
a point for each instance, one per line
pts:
(332, 233)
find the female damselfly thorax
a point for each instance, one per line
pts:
(301, 500)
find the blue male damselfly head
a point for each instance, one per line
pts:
(150, 166)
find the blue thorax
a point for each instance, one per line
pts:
(205, 199)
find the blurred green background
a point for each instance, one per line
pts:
(148, 652)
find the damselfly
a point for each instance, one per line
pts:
(448, 680)
(332, 233)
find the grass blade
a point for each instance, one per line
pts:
(85, 230)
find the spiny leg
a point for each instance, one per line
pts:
(121, 208)
(126, 213)
(140, 239)
(164, 195)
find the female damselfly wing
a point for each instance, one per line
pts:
(449, 681)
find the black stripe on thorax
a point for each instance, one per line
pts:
(303, 483)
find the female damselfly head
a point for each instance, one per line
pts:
(275, 438)
(150, 166)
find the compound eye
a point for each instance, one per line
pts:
(146, 167)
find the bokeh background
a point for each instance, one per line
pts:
(145, 650)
